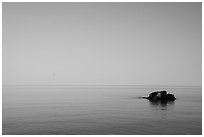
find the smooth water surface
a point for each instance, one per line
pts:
(99, 110)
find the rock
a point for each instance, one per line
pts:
(153, 96)
(170, 97)
(161, 96)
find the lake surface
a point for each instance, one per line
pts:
(99, 110)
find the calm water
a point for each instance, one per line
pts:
(99, 110)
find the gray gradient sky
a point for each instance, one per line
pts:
(102, 43)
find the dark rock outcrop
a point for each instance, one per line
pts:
(170, 97)
(161, 96)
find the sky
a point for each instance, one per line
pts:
(102, 43)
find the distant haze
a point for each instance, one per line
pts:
(102, 43)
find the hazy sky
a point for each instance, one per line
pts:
(102, 43)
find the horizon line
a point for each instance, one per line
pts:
(147, 85)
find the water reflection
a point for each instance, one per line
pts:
(161, 105)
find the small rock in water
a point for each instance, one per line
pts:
(161, 96)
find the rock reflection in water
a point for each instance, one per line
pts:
(161, 105)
